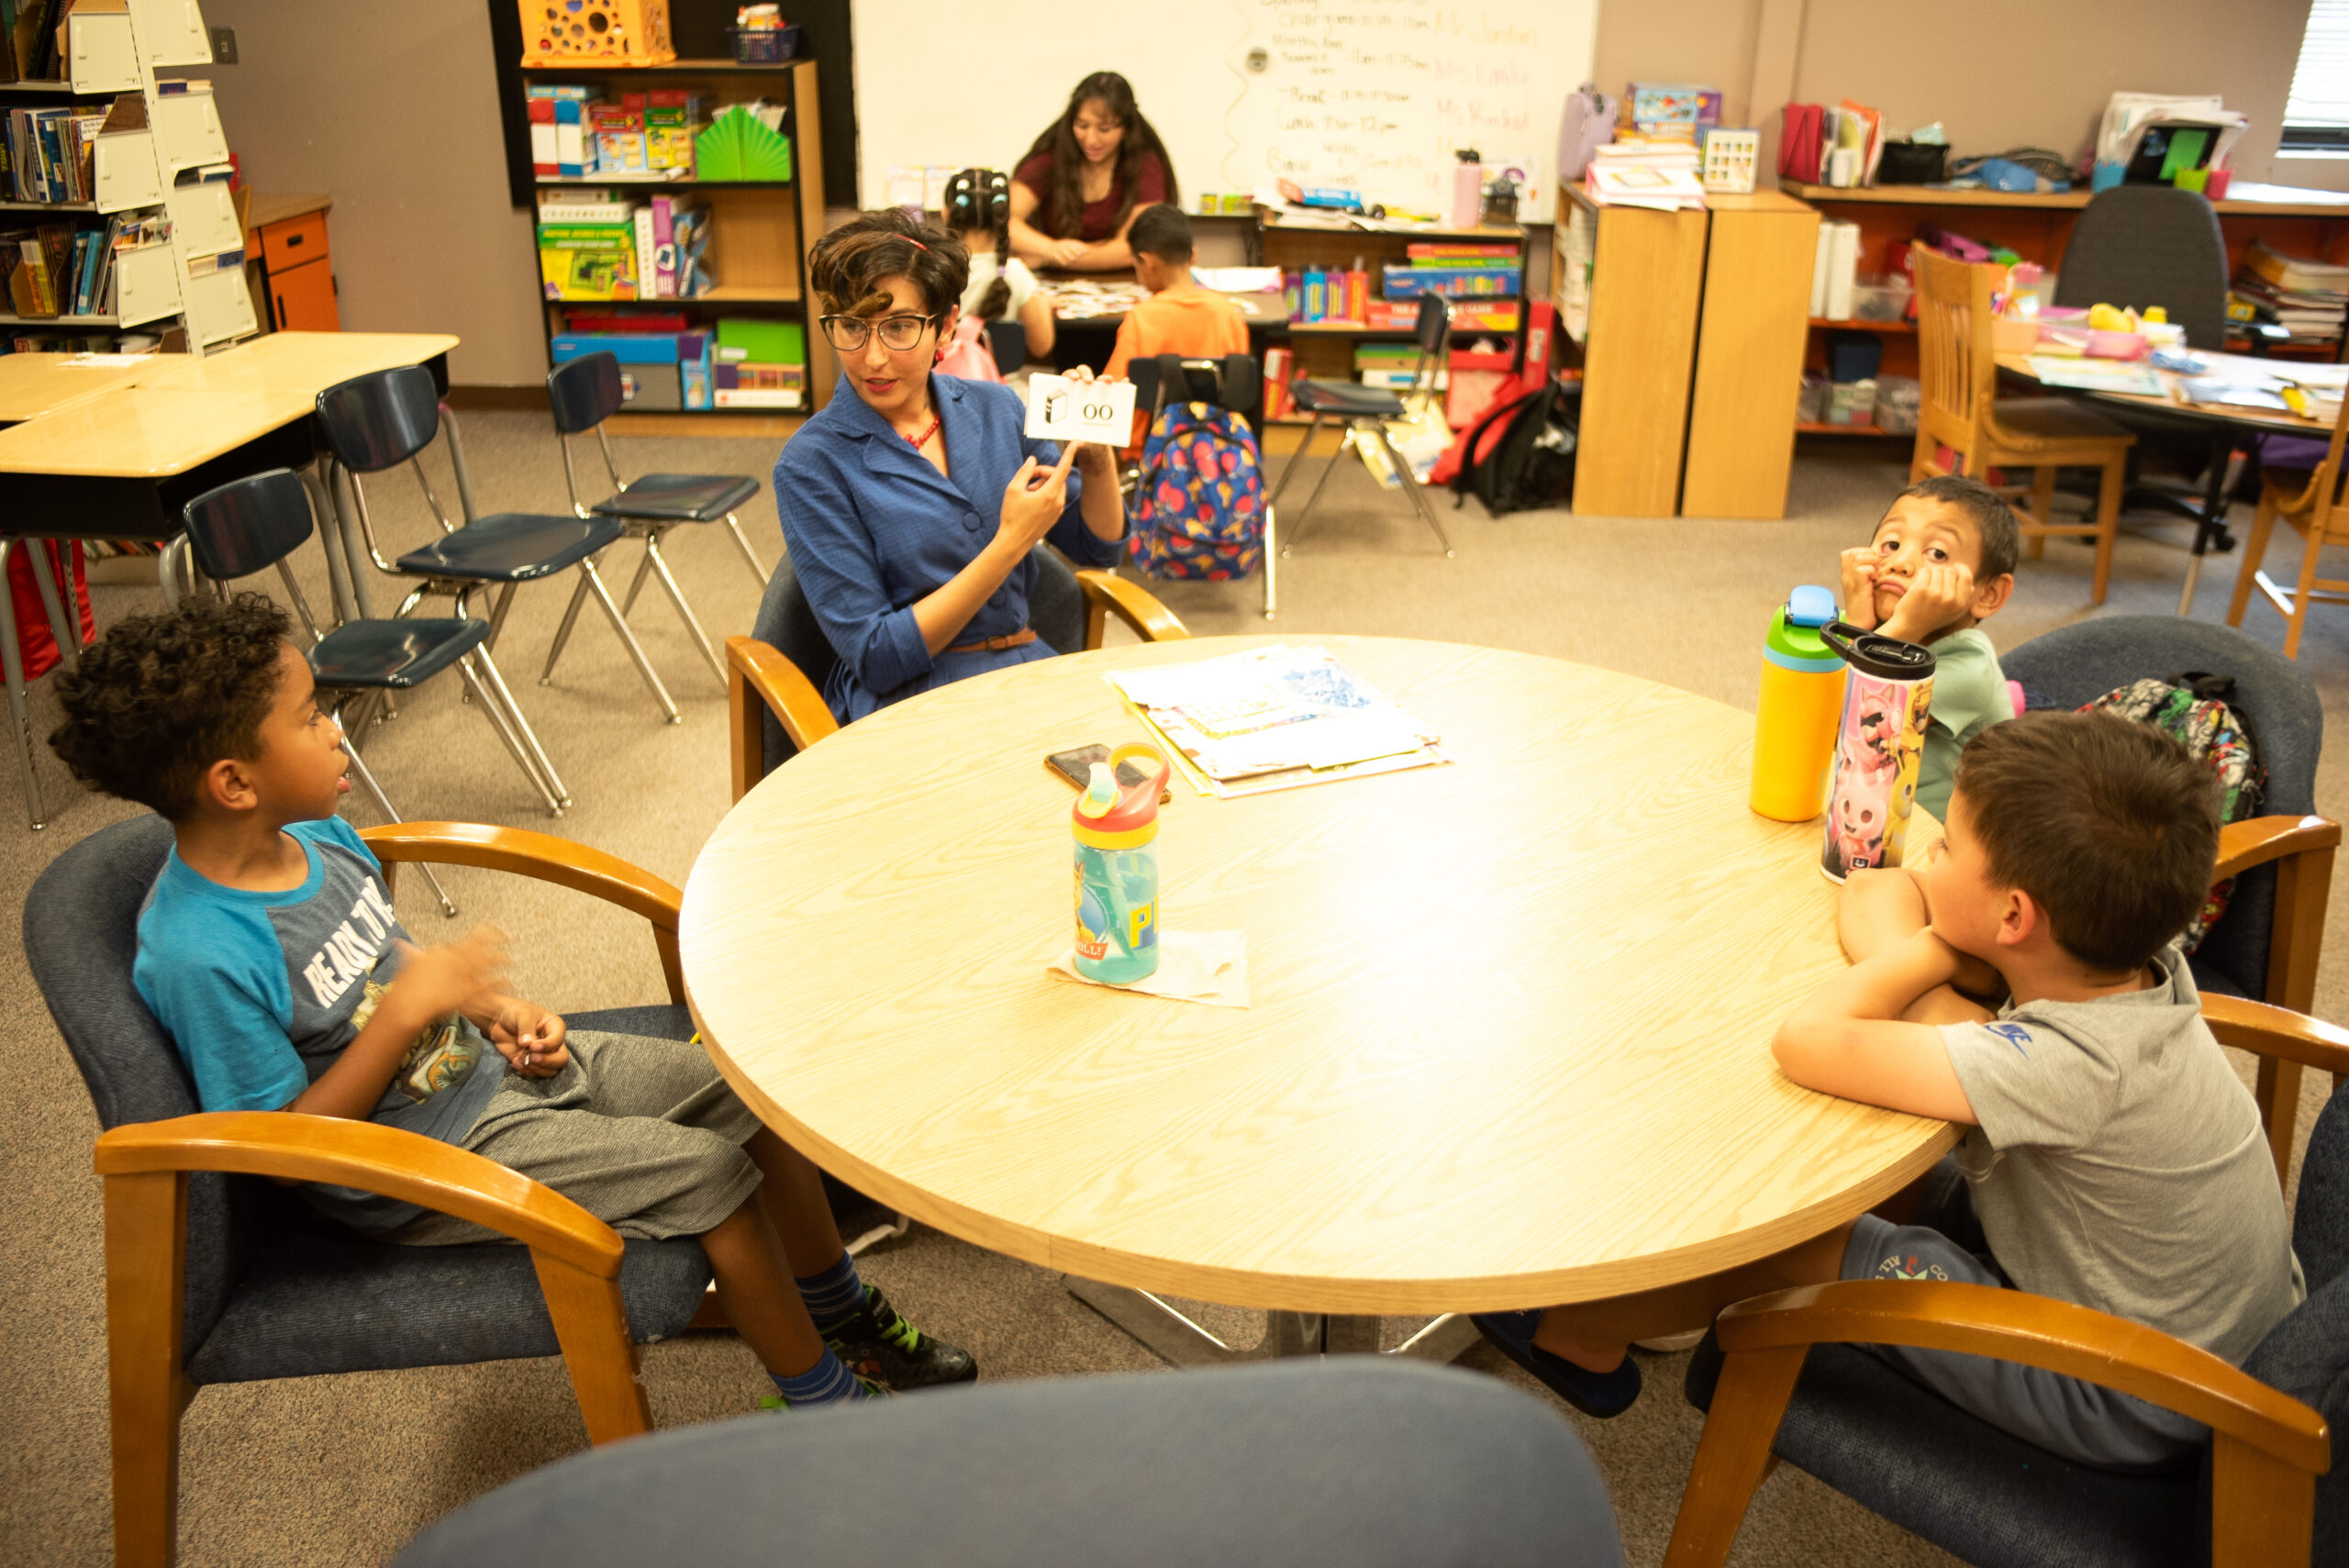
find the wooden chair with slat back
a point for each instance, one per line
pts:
(1960, 410)
(2319, 512)
(764, 681)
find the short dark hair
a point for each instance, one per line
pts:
(1993, 520)
(848, 266)
(162, 697)
(1161, 232)
(2107, 824)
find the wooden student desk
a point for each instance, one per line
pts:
(120, 462)
(1508, 1044)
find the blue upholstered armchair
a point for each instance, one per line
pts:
(215, 1275)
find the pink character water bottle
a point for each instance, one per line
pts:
(1878, 747)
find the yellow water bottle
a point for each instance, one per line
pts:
(1802, 698)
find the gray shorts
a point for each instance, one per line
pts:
(643, 1134)
(2078, 1420)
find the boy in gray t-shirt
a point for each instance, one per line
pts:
(2113, 1159)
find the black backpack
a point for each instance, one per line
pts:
(1532, 461)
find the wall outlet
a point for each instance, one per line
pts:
(224, 46)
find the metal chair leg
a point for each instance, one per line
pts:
(12, 664)
(497, 683)
(1411, 485)
(563, 631)
(1288, 470)
(685, 611)
(758, 569)
(1272, 558)
(635, 649)
(1297, 526)
(383, 804)
(53, 563)
(506, 733)
(651, 536)
(167, 571)
(497, 614)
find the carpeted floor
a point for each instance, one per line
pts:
(330, 1471)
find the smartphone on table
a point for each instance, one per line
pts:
(1075, 765)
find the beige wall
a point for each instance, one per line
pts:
(2000, 74)
(393, 109)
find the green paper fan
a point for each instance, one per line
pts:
(737, 147)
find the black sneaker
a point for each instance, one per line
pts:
(878, 1345)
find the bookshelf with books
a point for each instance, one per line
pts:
(117, 230)
(1351, 286)
(674, 207)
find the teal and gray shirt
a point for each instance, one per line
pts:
(1969, 695)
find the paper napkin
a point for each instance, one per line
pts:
(1193, 966)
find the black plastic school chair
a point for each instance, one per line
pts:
(217, 1274)
(2267, 944)
(1781, 1376)
(1364, 410)
(1352, 1462)
(586, 392)
(254, 524)
(1007, 341)
(374, 422)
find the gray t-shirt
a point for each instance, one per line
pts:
(2118, 1163)
(1969, 694)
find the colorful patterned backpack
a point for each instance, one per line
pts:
(2191, 709)
(1199, 509)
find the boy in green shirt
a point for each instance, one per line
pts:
(1942, 561)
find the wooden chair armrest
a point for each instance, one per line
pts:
(386, 1160)
(2034, 1330)
(1107, 595)
(2266, 1030)
(546, 858)
(2259, 839)
(784, 687)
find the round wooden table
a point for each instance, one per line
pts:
(1510, 1038)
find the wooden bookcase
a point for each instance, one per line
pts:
(1325, 351)
(1629, 282)
(760, 230)
(1750, 346)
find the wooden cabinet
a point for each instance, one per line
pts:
(1749, 356)
(1638, 308)
(287, 262)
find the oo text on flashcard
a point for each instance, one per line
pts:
(1060, 409)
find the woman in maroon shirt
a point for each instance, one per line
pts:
(1076, 192)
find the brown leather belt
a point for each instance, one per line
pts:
(1021, 639)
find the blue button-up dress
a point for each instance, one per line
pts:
(873, 527)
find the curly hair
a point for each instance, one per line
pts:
(162, 697)
(849, 266)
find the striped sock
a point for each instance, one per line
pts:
(825, 1383)
(833, 1297)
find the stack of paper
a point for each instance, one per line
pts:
(2097, 375)
(2309, 298)
(1272, 718)
(1635, 171)
(1834, 268)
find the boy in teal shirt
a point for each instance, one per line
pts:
(1942, 562)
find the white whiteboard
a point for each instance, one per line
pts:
(1376, 94)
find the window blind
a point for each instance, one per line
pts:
(2316, 115)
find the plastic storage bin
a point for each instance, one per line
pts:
(1897, 400)
(1854, 356)
(1882, 297)
(765, 45)
(1852, 403)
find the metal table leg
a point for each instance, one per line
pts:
(2210, 528)
(1167, 1332)
(339, 570)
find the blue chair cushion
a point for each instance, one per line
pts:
(321, 1298)
(396, 653)
(511, 547)
(1992, 1499)
(679, 497)
(1350, 398)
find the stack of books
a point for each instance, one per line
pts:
(47, 155)
(2307, 298)
(1457, 270)
(1638, 171)
(1389, 366)
(637, 135)
(1489, 314)
(603, 245)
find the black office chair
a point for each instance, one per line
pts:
(372, 422)
(254, 524)
(1007, 341)
(1357, 1462)
(1234, 383)
(215, 1274)
(586, 392)
(1366, 410)
(2141, 246)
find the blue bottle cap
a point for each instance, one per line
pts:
(1810, 605)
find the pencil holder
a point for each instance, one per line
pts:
(602, 32)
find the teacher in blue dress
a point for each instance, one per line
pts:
(911, 502)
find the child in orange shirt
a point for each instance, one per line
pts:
(1179, 317)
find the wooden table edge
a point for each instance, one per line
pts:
(1288, 1293)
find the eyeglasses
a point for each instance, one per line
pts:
(849, 333)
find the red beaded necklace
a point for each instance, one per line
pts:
(929, 431)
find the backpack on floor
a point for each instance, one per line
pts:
(1199, 507)
(1518, 454)
(969, 355)
(2192, 710)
